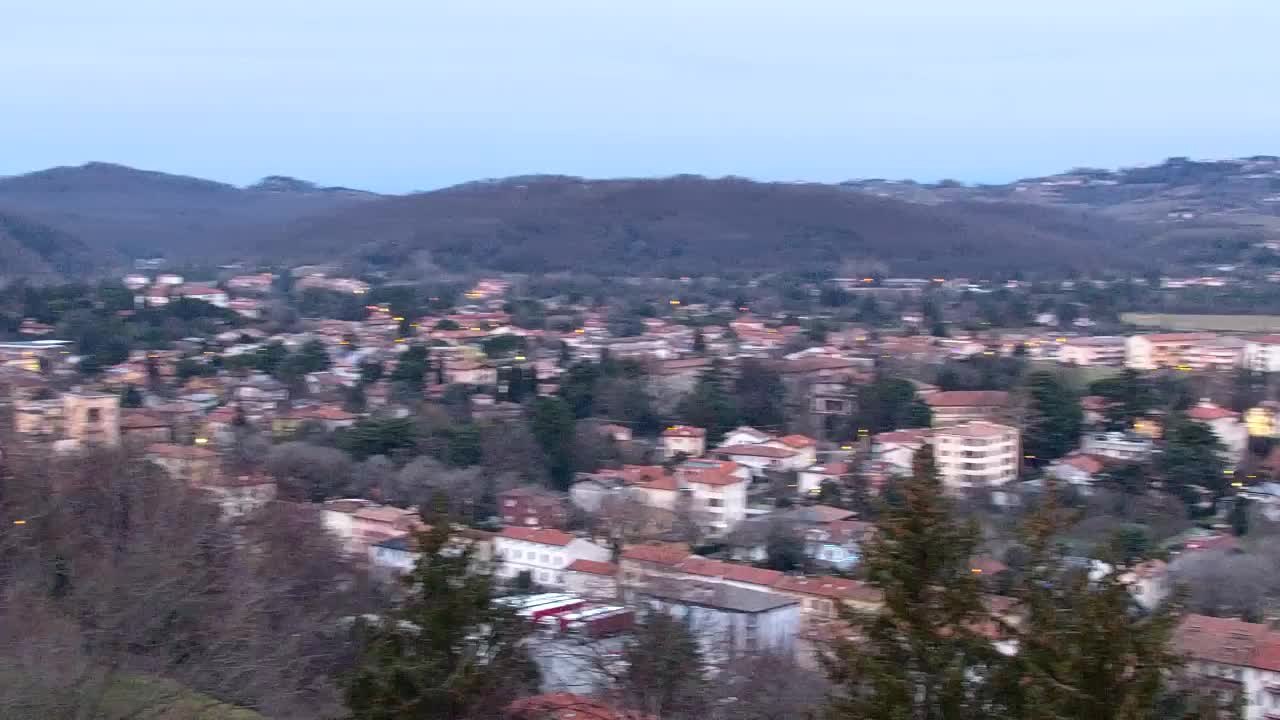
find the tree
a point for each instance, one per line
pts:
(411, 368)
(699, 342)
(890, 403)
(448, 652)
(1192, 459)
(1240, 516)
(313, 356)
(920, 655)
(1129, 396)
(553, 426)
(370, 371)
(664, 673)
(377, 436)
(784, 548)
(760, 395)
(1082, 650)
(710, 404)
(130, 397)
(1054, 419)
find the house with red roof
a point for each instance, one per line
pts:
(544, 553)
(1226, 424)
(568, 706)
(717, 493)
(1233, 658)
(592, 579)
(684, 440)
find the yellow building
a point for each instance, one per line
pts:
(1261, 420)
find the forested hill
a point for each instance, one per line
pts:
(698, 225)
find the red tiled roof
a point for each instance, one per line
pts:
(830, 587)
(1221, 640)
(140, 420)
(668, 555)
(1207, 412)
(568, 706)
(837, 468)
(764, 451)
(709, 472)
(968, 398)
(593, 567)
(707, 567)
(541, 536)
(181, 452)
(1084, 463)
(798, 441)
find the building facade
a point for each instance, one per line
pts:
(977, 454)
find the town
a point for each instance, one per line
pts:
(718, 449)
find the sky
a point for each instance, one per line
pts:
(398, 95)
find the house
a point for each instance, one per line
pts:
(535, 507)
(684, 440)
(897, 448)
(592, 579)
(1118, 445)
(1077, 468)
(359, 524)
(718, 493)
(759, 459)
(1263, 420)
(139, 428)
(1226, 424)
(197, 465)
(811, 478)
(839, 544)
(977, 454)
(804, 446)
(1149, 583)
(544, 554)
(399, 554)
(203, 293)
(91, 418)
(725, 619)
(1216, 353)
(1161, 350)
(1262, 354)
(953, 407)
(821, 597)
(239, 495)
(639, 564)
(1233, 659)
(744, 435)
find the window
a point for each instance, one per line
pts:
(94, 415)
(508, 503)
(715, 502)
(543, 558)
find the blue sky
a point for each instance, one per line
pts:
(396, 95)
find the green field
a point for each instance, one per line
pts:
(1231, 323)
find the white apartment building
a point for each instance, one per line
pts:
(717, 493)
(1219, 353)
(977, 454)
(1161, 350)
(1102, 351)
(684, 440)
(1262, 354)
(543, 553)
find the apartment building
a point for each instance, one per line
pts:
(1162, 350)
(1218, 353)
(1102, 351)
(961, 406)
(717, 493)
(977, 454)
(543, 553)
(1262, 354)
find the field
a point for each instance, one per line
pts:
(1227, 323)
(1079, 378)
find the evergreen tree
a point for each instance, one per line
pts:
(920, 657)
(1240, 516)
(411, 368)
(1129, 396)
(664, 674)
(1192, 458)
(710, 404)
(448, 652)
(553, 426)
(370, 371)
(759, 394)
(1083, 649)
(1054, 419)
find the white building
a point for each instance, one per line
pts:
(728, 620)
(1162, 350)
(717, 493)
(1101, 351)
(684, 440)
(1262, 354)
(977, 454)
(1118, 445)
(543, 553)
(1233, 658)
(1226, 424)
(897, 448)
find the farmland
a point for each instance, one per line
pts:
(1222, 323)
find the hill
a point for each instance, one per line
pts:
(691, 224)
(41, 253)
(114, 208)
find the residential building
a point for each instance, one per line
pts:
(1226, 424)
(32, 355)
(977, 454)
(1099, 351)
(953, 407)
(360, 524)
(1118, 445)
(90, 419)
(897, 448)
(1233, 659)
(810, 480)
(568, 706)
(533, 507)
(139, 428)
(196, 465)
(1216, 353)
(759, 459)
(203, 293)
(1262, 354)
(544, 554)
(238, 495)
(718, 493)
(1161, 350)
(1263, 420)
(592, 579)
(728, 620)
(684, 440)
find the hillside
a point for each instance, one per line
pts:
(692, 224)
(113, 208)
(39, 253)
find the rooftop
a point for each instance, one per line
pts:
(717, 596)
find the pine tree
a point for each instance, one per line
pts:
(1084, 650)
(921, 656)
(448, 652)
(1054, 419)
(1192, 458)
(710, 405)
